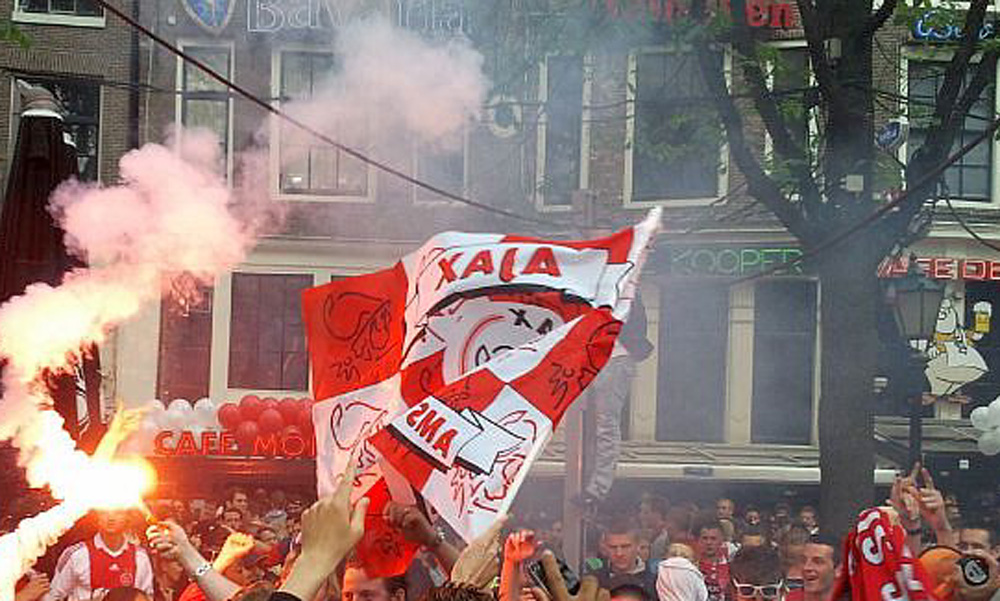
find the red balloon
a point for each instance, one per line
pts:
(270, 403)
(250, 407)
(246, 434)
(291, 431)
(306, 420)
(270, 421)
(229, 416)
(289, 409)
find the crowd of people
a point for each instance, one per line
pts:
(252, 545)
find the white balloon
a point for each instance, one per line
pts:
(206, 414)
(989, 442)
(204, 404)
(180, 406)
(980, 417)
(177, 421)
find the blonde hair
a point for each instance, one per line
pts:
(680, 550)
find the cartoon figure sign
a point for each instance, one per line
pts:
(953, 358)
(210, 15)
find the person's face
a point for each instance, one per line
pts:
(808, 517)
(622, 551)
(952, 509)
(753, 517)
(111, 522)
(267, 536)
(818, 571)
(724, 509)
(171, 570)
(974, 539)
(644, 549)
(240, 501)
(294, 527)
(233, 519)
(649, 518)
(243, 575)
(359, 587)
(752, 540)
(710, 539)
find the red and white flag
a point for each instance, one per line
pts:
(449, 371)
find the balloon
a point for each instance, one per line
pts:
(305, 422)
(180, 406)
(250, 407)
(994, 417)
(229, 416)
(289, 409)
(176, 421)
(292, 431)
(980, 417)
(270, 421)
(246, 434)
(270, 403)
(989, 443)
(206, 414)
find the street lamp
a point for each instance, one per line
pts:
(915, 300)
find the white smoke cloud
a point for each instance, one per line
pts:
(388, 84)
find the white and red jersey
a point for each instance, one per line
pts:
(90, 565)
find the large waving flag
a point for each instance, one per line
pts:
(448, 372)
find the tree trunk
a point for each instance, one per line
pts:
(849, 293)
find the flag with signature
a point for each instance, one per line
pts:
(449, 371)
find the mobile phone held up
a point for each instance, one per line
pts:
(536, 571)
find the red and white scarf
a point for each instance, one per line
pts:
(879, 565)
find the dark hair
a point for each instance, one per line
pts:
(706, 522)
(125, 593)
(657, 503)
(456, 592)
(632, 591)
(621, 526)
(258, 591)
(238, 489)
(392, 584)
(753, 531)
(756, 565)
(976, 524)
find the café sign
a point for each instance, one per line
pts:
(944, 268)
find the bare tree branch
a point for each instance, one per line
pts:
(954, 74)
(812, 26)
(877, 20)
(759, 184)
(787, 149)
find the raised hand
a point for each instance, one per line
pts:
(411, 522)
(236, 547)
(589, 588)
(520, 546)
(36, 588)
(124, 423)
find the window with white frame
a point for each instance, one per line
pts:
(969, 178)
(267, 345)
(675, 150)
(69, 12)
(560, 130)
(309, 167)
(203, 102)
(81, 101)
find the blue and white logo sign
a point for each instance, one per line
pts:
(210, 15)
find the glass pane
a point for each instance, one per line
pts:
(323, 169)
(352, 176)
(88, 8)
(63, 6)
(35, 6)
(564, 112)
(677, 141)
(217, 59)
(443, 168)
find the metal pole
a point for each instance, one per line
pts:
(916, 431)
(573, 487)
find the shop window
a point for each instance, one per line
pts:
(61, 12)
(783, 361)
(982, 301)
(267, 345)
(694, 326)
(440, 166)
(185, 357)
